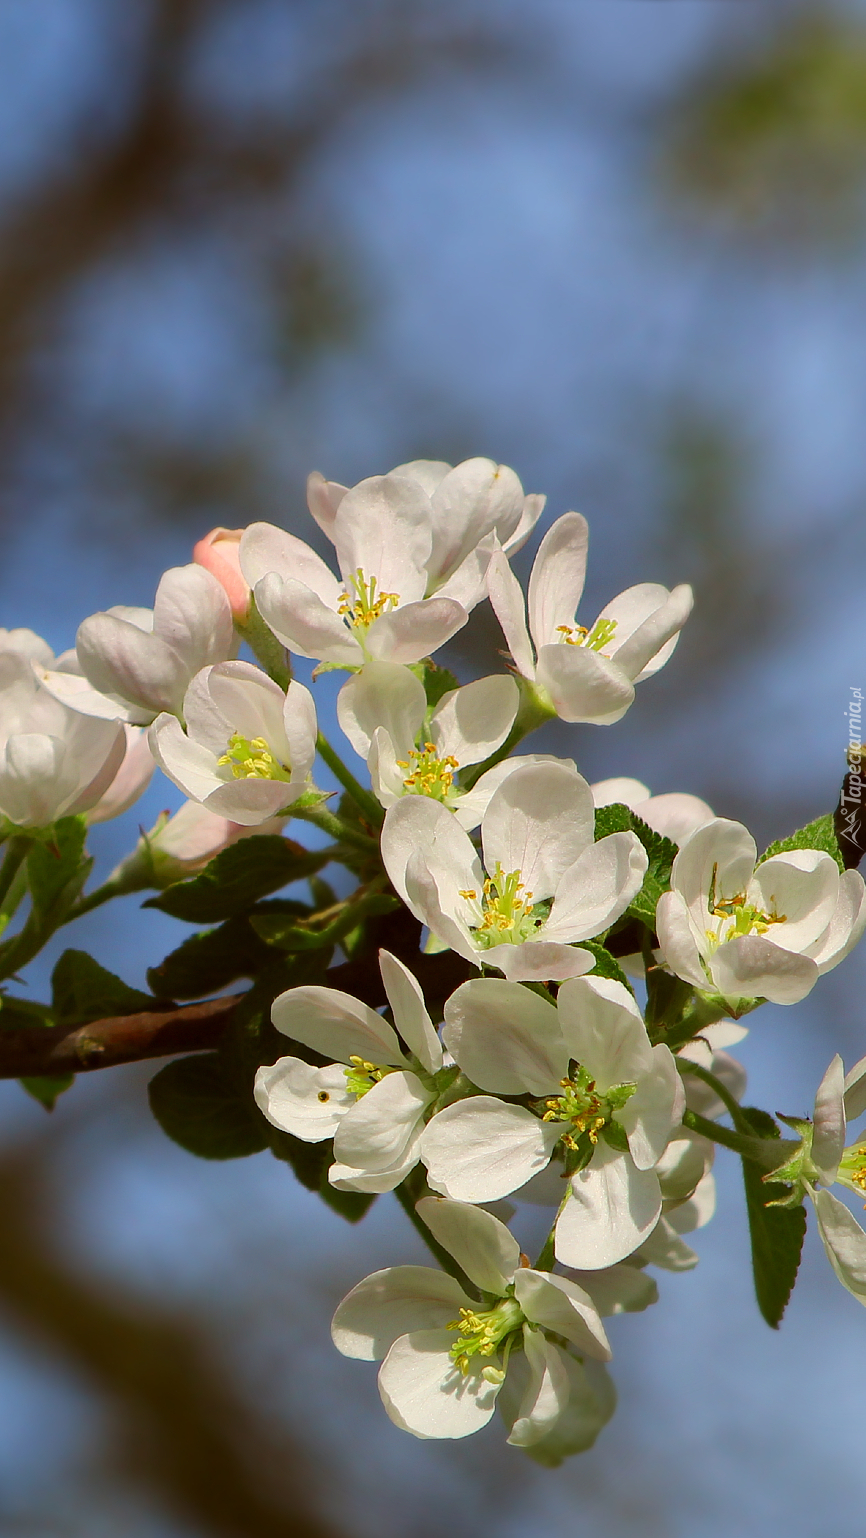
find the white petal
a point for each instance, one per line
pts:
(655, 1109)
(265, 549)
(383, 528)
(722, 846)
(539, 822)
(305, 624)
(855, 1091)
(425, 1394)
(697, 1211)
(382, 694)
(323, 499)
(648, 618)
(418, 824)
(533, 507)
(628, 792)
(538, 961)
(349, 1177)
(802, 884)
(584, 685)
(192, 767)
(290, 1092)
(546, 1392)
(374, 1134)
(828, 1129)
(474, 498)
(336, 1025)
(558, 574)
(597, 888)
(192, 613)
(844, 1241)
(677, 941)
(251, 802)
(677, 816)
(410, 1012)
(472, 805)
(481, 1149)
(562, 1306)
(666, 1249)
(620, 1289)
(612, 1209)
(591, 1403)
(506, 598)
(300, 729)
(392, 1302)
(847, 925)
(472, 722)
(117, 658)
(481, 1245)
(505, 1038)
(131, 780)
(750, 966)
(604, 1031)
(415, 630)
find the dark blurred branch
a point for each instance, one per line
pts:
(36, 1051)
(184, 1432)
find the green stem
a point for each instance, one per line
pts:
(706, 1010)
(767, 1152)
(341, 832)
(365, 802)
(103, 894)
(408, 1193)
(265, 647)
(547, 1253)
(718, 1088)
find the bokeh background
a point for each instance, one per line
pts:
(620, 245)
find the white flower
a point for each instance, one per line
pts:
(537, 836)
(823, 1160)
(688, 1190)
(131, 780)
(372, 1100)
(474, 508)
(675, 815)
(27, 644)
(383, 535)
(435, 1385)
(597, 1088)
(53, 762)
(587, 675)
(766, 932)
(248, 748)
(178, 847)
(135, 663)
(383, 712)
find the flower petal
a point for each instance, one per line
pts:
(481, 1149)
(558, 575)
(373, 1135)
(648, 618)
(481, 1245)
(751, 966)
(612, 1209)
(265, 549)
(855, 1090)
(336, 1025)
(677, 941)
(539, 961)
(583, 684)
(383, 528)
(382, 694)
(505, 1038)
(677, 816)
(847, 925)
(305, 624)
(323, 499)
(844, 1241)
(471, 501)
(546, 1392)
(591, 1403)
(562, 1306)
(306, 1101)
(192, 613)
(802, 884)
(410, 1012)
(654, 1110)
(392, 1302)
(472, 722)
(723, 847)
(828, 1126)
(539, 822)
(604, 1031)
(597, 888)
(425, 1394)
(506, 598)
(415, 630)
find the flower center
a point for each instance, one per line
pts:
(429, 775)
(361, 1075)
(740, 917)
(852, 1168)
(594, 640)
(481, 1334)
(252, 759)
(583, 1107)
(506, 916)
(366, 605)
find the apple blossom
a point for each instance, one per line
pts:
(27, 644)
(475, 507)
(435, 1385)
(131, 780)
(769, 931)
(537, 836)
(180, 846)
(248, 748)
(53, 762)
(219, 553)
(135, 663)
(599, 1095)
(383, 533)
(372, 1100)
(583, 674)
(674, 815)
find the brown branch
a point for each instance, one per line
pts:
(37, 1051)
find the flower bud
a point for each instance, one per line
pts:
(218, 554)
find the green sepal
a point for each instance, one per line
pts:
(820, 834)
(237, 878)
(776, 1230)
(615, 1134)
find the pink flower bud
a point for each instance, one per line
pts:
(218, 553)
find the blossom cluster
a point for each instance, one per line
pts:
(605, 941)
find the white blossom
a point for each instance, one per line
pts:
(584, 674)
(475, 507)
(27, 644)
(180, 846)
(130, 782)
(383, 534)
(447, 1355)
(548, 884)
(372, 1100)
(412, 751)
(769, 931)
(676, 814)
(53, 762)
(596, 1089)
(248, 747)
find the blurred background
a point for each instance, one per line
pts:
(622, 247)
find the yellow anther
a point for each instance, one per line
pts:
(252, 759)
(367, 605)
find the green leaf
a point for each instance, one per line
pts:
(311, 1162)
(47, 1090)
(237, 878)
(437, 683)
(17, 1013)
(205, 1108)
(820, 834)
(82, 991)
(615, 818)
(661, 851)
(209, 961)
(777, 1233)
(605, 964)
(57, 869)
